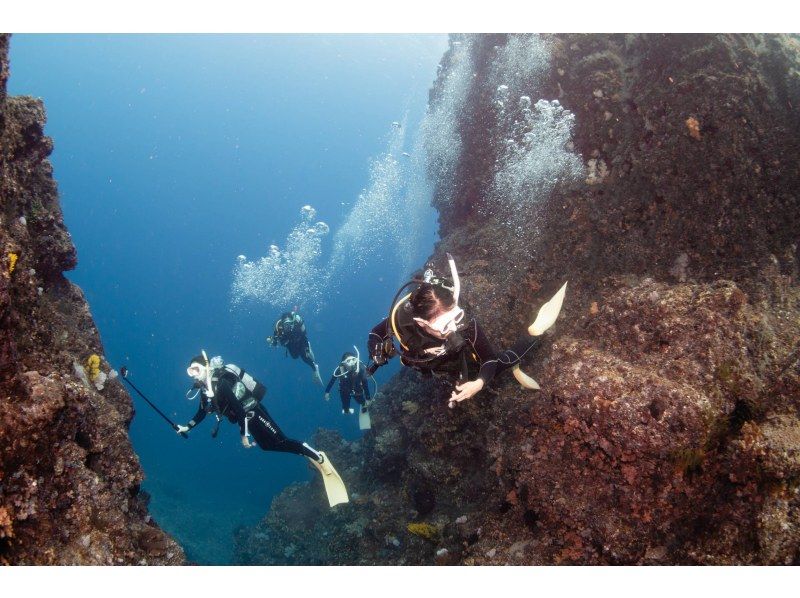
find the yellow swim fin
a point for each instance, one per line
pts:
(334, 486)
(524, 379)
(364, 420)
(547, 314)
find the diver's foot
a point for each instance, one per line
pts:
(318, 456)
(364, 409)
(346, 411)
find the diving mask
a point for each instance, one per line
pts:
(446, 323)
(197, 371)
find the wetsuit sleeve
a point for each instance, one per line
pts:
(330, 384)
(199, 416)
(485, 352)
(228, 400)
(276, 336)
(375, 341)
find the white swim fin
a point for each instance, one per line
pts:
(548, 313)
(315, 376)
(334, 486)
(364, 420)
(524, 379)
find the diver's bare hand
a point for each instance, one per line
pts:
(246, 442)
(465, 391)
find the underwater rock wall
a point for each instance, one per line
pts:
(69, 479)
(667, 429)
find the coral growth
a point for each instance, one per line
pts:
(693, 125)
(423, 530)
(12, 262)
(93, 367)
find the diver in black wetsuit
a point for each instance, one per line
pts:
(436, 336)
(290, 331)
(352, 376)
(237, 395)
(228, 391)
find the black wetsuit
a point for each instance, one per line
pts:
(261, 426)
(467, 354)
(351, 383)
(293, 336)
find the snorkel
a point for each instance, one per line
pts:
(209, 390)
(456, 280)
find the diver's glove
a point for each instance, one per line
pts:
(179, 429)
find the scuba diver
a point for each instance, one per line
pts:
(352, 375)
(436, 336)
(226, 390)
(290, 331)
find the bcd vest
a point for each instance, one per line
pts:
(247, 390)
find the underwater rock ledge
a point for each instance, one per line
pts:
(667, 428)
(69, 479)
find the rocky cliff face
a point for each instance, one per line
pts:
(69, 480)
(658, 174)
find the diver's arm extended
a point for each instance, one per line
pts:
(199, 416)
(486, 355)
(485, 352)
(493, 363)
(330, 384)
(375, 341)
(277, 334)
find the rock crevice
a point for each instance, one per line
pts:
(69, 479)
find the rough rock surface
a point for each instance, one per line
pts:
(69, 479)
(667, 427)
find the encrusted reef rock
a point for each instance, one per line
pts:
(659, 175)
(69, 479)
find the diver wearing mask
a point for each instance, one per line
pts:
(437, 337)
(290, 332)
(226, 390)
(352, 376)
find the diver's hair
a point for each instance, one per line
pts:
(429, 300)
(345, 355)
(198, 359)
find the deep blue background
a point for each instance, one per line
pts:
(173, 155)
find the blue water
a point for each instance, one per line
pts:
(175, 154)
